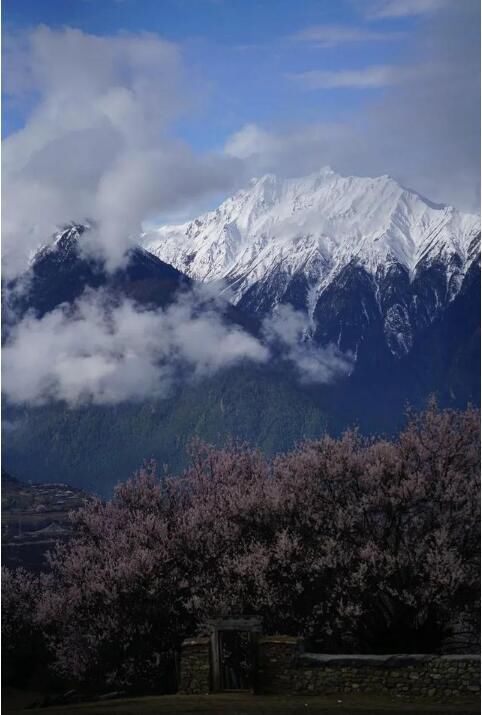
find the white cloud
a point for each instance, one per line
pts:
(249, 140)
(403, 8)
(366, 78)
(97, 143)
(97, 352)
(93, 352)
(288, 328)
(292, 152)
(334, 35)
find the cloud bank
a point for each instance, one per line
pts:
(97, 143)
(94, 352)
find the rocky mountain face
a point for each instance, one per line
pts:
(371, 263)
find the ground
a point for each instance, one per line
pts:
(243, 704)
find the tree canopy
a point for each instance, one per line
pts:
(361, 545)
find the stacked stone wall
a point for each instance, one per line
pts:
(276, 667)
(195, 666)
(283, 667)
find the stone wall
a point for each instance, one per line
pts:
(276, 667)
(195, 666)
(283, 667)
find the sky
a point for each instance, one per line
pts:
(135, 111)
(241, 51)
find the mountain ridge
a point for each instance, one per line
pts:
(295, 240)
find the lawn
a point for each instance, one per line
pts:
(241, 704)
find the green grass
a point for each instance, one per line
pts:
(242, 704)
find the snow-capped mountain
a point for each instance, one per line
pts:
(379, 270)
(358, 254)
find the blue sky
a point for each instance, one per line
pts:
(242, 51)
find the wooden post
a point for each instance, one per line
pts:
(215, 662)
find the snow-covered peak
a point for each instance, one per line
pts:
(62, 244)
(315, 225)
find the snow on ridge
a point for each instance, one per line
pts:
(314, 225)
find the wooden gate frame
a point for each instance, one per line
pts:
(252, 624)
